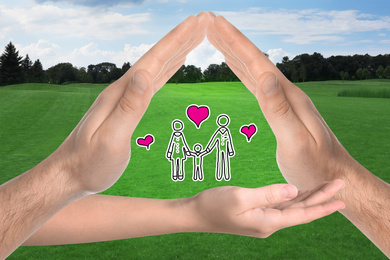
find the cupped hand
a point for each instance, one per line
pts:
(98, 150)
(308, 153)
(261, 211)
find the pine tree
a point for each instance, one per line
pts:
(37, 73)
(11, 71)
(26, 66)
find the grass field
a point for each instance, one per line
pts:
(36, 118)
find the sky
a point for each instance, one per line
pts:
(85, 32)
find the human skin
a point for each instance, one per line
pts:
(95, 154)
(255, 212)
(97, 151)
(308, 153)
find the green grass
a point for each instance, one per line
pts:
(377, 90)
(36, 118)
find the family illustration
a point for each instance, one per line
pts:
(178, 151)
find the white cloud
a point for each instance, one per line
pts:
(82, 23)
(307, 26)
(276, 55)
(204, 55)
(47, 52)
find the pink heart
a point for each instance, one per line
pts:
(146, 141)
(198, 114)
(248, 131)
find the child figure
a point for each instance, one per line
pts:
(197, 154)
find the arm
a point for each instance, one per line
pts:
(308, 153)
(211, 144)
(97, 151)
(231, 148)
(252, 212)
(170, 148)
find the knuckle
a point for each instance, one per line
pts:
(273, 196)
(282, 110)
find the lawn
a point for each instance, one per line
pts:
(36, 118)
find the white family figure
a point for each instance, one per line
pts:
(177, 151)
(223, 142)
(197, 154)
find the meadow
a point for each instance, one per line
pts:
(36, 118)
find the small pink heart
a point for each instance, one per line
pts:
(198, 114)
(146, 141)
(248, 131)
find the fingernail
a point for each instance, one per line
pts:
(289, 191)
(139, 82)
(270, 85)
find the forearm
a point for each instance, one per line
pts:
(367, 200)
(29, 200)
(103, 217)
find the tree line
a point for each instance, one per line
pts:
(315, 67)
(15, 69)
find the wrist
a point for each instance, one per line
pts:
(64, 178)
(190, 216)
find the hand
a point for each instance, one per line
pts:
(98, 150)
(308, 153)
(262, 211)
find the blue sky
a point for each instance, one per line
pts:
(87, 32)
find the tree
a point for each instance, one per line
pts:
(344, 75)
(11, 71)
(302, 72)
(37, 73)
(125, 67)
(359, 73)
(226, 74)
(61, 73)
(192, 74)
(386, 72)
(379, 72)
(178, 77)
(366, 73)
(212, 73)
(26, 66)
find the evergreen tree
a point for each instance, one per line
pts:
(26, 66)
(11, 71)
(37, 73)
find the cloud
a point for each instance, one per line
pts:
(46, 51)
(276, 55)
(82, 23)
(307, 26)
(204, 55)
(51, 54)
(93, 3)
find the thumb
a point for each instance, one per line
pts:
(268, 195)
(277, 193)
(276, 108)
(131, 106)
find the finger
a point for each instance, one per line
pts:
(320, 194)
(243, 49)
(323, 193)
(120, 124)
(178, 60)
(279, 113)
(173, 47)
(267, 195)
(247, 58)
(153, 62)
(296, 216)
